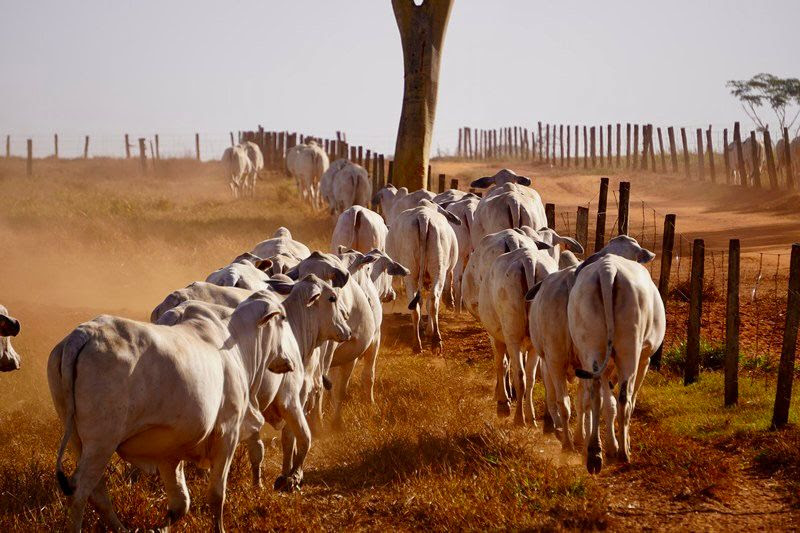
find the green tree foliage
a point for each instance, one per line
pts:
(782, 95)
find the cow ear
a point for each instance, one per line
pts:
(293, 273)
(264, 264)
(482, 183)
(316, 254)
(451, 218)
(542, 245)
(365, 260)
(316, 292)
(280, 286)
(645, 256)
(342, 249)
(531, 294)
(396, 269)
(571, 244)
(340, 278)
(269, 313)
(9, 327)
(522, 180)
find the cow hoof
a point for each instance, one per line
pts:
(594, 462)
(503, 409)
(416, 349)
(519, 421)
(623, 457)
(280, 483)
(567, 447)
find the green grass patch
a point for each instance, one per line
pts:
(698, 410)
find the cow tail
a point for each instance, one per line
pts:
(514, 213)
(356, 228)
(422, 226)
(607, 276)
(69, 360)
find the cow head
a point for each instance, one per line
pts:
(383, 269)
(325, 266)
(384, 195)
(9, 327)
(501, 178)
(623, 246)
(322, 301)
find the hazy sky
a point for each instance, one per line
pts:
(107, 67)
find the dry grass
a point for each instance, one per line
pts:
(89, 237)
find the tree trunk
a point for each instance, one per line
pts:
(422, 30)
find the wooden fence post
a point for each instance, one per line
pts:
(569, 142)
(8, 146)
(382, 170)
(585, 149)
(454, 183)
(783, 393)
(701, 170)
(737, 141)
(600, 228)
(127, 147)
(710, 154)
(756, 168)
(29, 160)
(619, 145)
(691, 371)
(561, 142)
(685, 154)
(773, 175)
(787, 161)
(628, 145)
(152, 155)
(732, 327)
(460, 134)
(539, 138)
(582, 228)
(725, 157)
(86, 147)
(197, 145)
(158, 147)
(592, 137)
(442, 182)
(608, 147)
(550, 213)
(635, 146)
(624, 200)
(667, 245)
(55, 145)
(602, 144)
(661, 150)
(376, 184)
(673, 153)
(651, 146)
(645, 147)
(390, 178)
(547, 141)
(577, 153)
(142, 155)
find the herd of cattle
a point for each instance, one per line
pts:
(262, 338)
(753, 157)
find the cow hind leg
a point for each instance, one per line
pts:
(518, 378)
(340, 382)
(171, 473)
(434, 302)
(414, 305)
(255, 451)
(532, 361)
(500, 392)
(88, 474)
(610, 414)
(368, 372)
(102, 501)
(594, 456)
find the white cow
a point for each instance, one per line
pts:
(780, 153)
(508, 206)
(244, 272)
(482, 258)
(204, 292)
(503, 313)
(394, 201)
(9, 327)
(359, 228)
(423, 240)
(307, 163)
(750, 163)
(615, 314)
(464, 209)
(237, 168)
(449, 196)
(281, 242)
(344, 185)
(549, 328)
(256, 164)
(158, 395)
